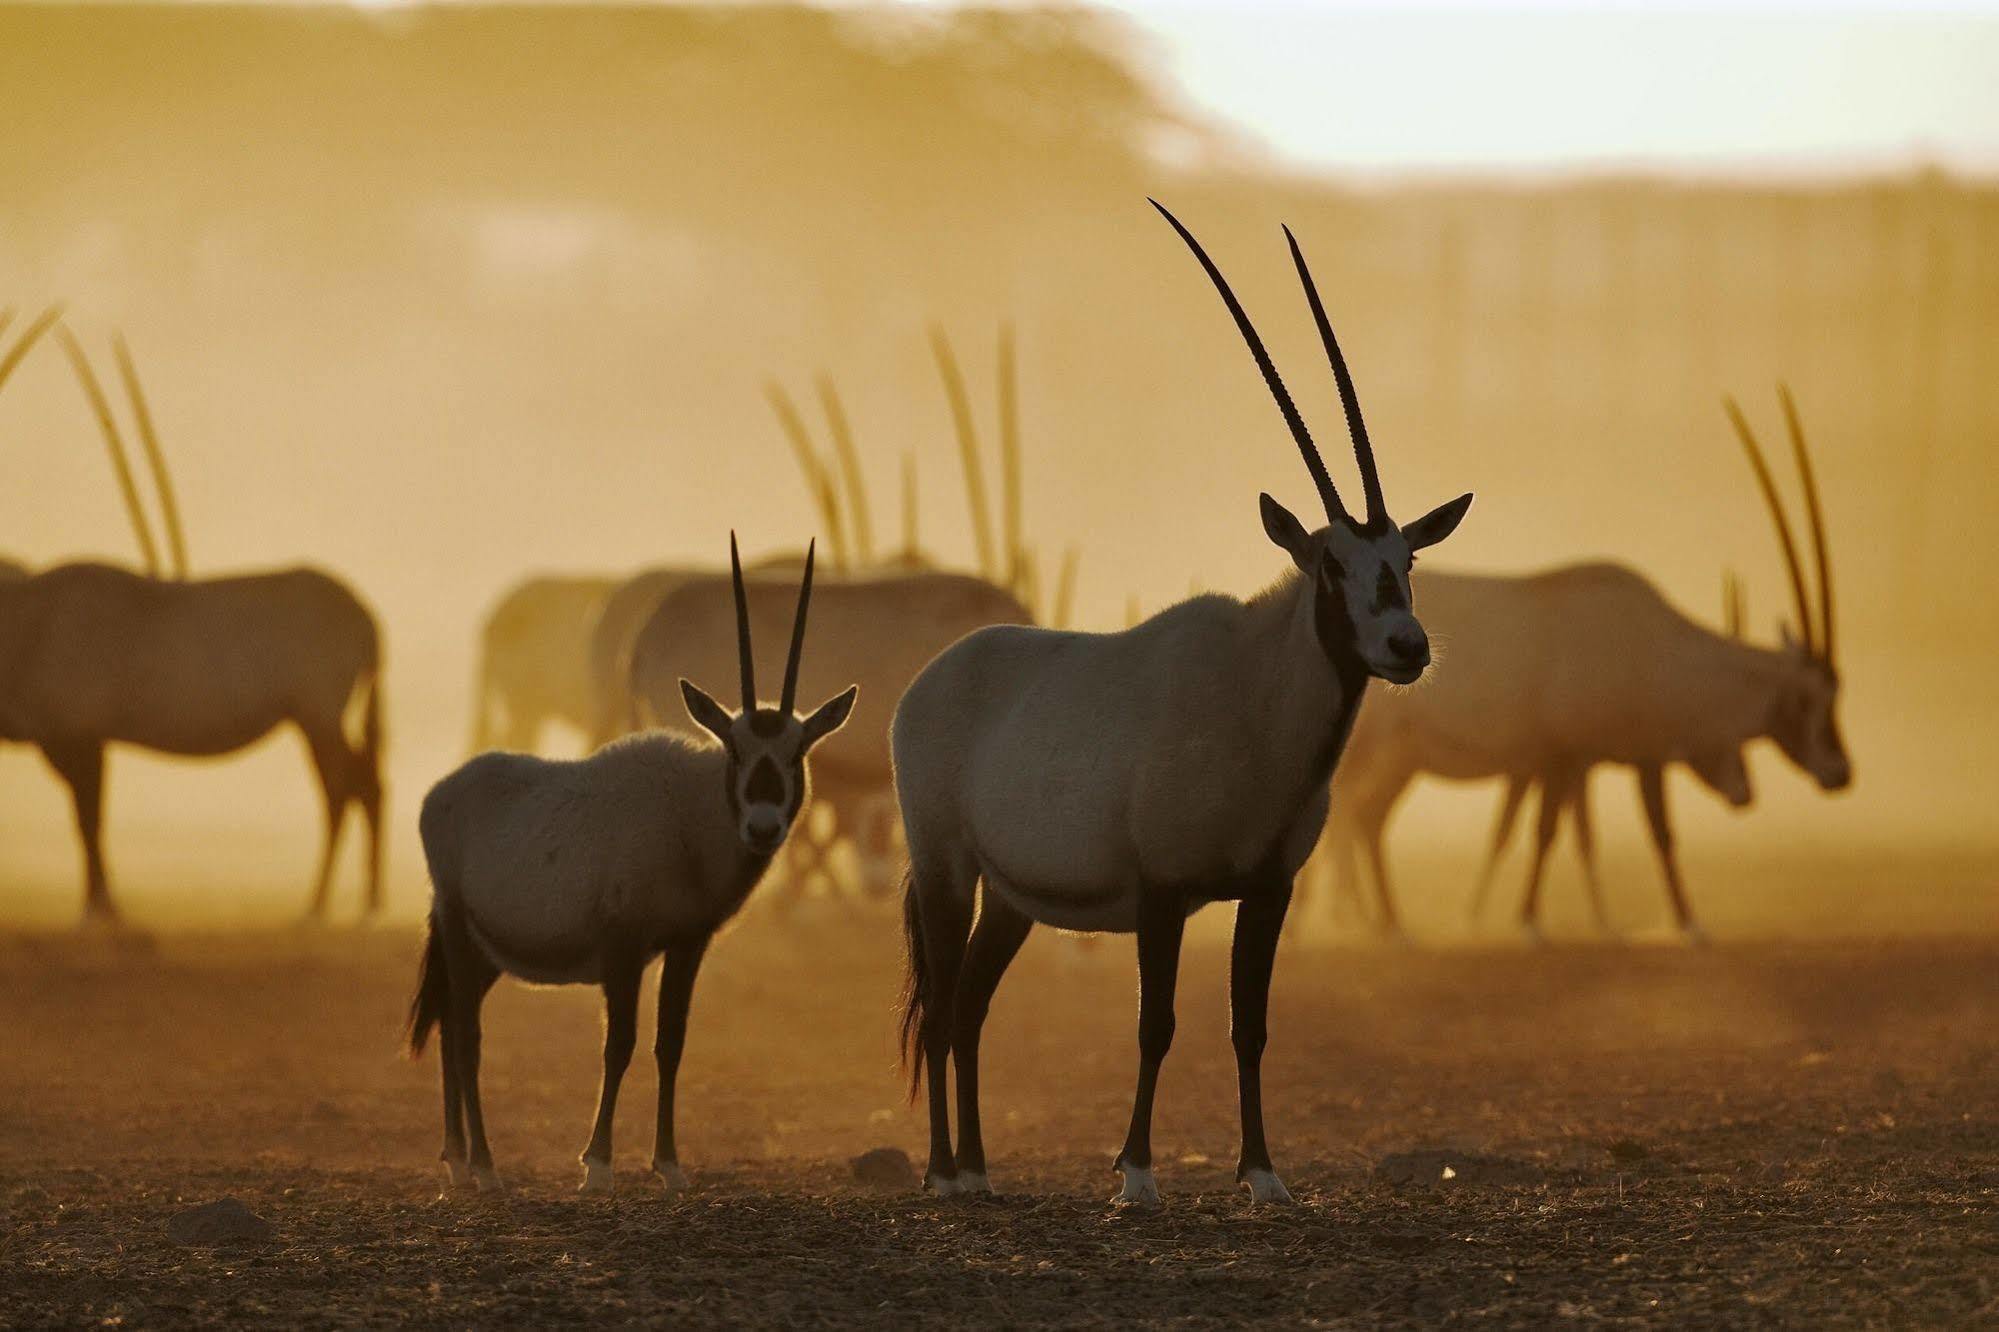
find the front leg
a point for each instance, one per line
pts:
(1162, 919)
(676, 992)
(1259, 919)
(621, 1016)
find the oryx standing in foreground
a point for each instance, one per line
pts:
(583, 871)
(1122, 781)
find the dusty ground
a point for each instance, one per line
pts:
(1755, 1134)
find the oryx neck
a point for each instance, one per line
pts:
(1306, 690)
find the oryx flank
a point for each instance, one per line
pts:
(1121, 781)
(583, 871)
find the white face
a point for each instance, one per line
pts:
(1369, 574)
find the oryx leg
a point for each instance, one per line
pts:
(331, 761)
(1259, 919)
(1652, 794)
(81, 764)
(471, 975)
(676, 993)
(996, 939)
(1554, 794)
(1586, 848)
(944, 916)
(1162, 919)
(368, 780)
(1502, 833)
(621, 1033)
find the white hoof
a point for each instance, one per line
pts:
(488, 1179)
(596, 1177)
(670, 1176)
(973, 1181)
(1265, 1187)
(457, 1174)
(1140, 1188)
(943, 1186)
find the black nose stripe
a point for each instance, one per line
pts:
(766, 784)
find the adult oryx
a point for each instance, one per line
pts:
(1122, 781)
(1589, 664)
(91, 654)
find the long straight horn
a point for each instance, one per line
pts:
(120, 462)
(968, 450)
(850, 471)
(43, 323)
(797, 635)
(1009, 442)
(1769, 488)
(818, 481)
(155, 459)
(1818, 519)
(1363, 449)
(1328, 494)
(745, 656)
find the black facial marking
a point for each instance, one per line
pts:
(767, 722)
(1335, 626)
(766, 784)
(1388, 592)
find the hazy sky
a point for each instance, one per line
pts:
(1712, 87)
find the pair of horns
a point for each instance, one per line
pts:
(149, 440)
(748, 658)
(1815, 631)
(1363, 450)
(819, 478)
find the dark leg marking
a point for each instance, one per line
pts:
(995, 940)
(676, 993)
(1162, 919)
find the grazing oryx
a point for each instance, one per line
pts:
(583, 871)
(1590, 664)
(879, 631)
(1121, 781)
(91, 654)
(1724, 772)
(534, 661)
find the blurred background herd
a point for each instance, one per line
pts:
(445, 299)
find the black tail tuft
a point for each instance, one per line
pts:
(433, 992)
(915, 981)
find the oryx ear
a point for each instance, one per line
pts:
(831, 716)
(711, 716)
(1437, 524)
(1286, 532)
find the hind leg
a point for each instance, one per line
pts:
(367, 787)
(330, 761)
(995, 940)
(82, 766)
(471, 975)
(944, 925)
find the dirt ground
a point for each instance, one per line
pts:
(1799, 1134)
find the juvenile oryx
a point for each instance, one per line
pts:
(1122, 781)
(1589, 664)
(583, 871)
(91, 654)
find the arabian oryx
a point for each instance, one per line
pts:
(1122, 781)
(1590, 664)
(583, 871)
(91, 654)
(534, 665)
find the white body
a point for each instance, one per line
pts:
(550, 860)
(1207, 759)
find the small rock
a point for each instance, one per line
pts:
(224, 1222)
(885, 1167)
(1436, 1167)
